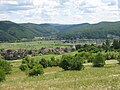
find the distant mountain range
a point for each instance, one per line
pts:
(10, 31)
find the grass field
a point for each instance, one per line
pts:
(32, 45)
(51, 55)
(55, 78)
(17, 63)
(106, 78)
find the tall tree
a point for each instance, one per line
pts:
(116, 44)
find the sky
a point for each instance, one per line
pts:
(59, 11)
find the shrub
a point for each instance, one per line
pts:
(69, 62)
(36, 70)
(111, 55)
(53, 62)
(118, 58)
(26, 60)
(91, 58)
(66, 62)
(2, 75)
(6, 66)
(44, 62)
(1, 57)
(29, 62)
(99, 60)
(23, 67)
(86, 56)
(77, 63)
(31, 67)
(78, 47)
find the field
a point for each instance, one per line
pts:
(32, 45)
(46, 43)
(106, 78)
(55, 78)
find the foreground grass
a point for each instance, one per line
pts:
(106, 78)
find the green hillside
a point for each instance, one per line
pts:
(92, 31)
(10, 31)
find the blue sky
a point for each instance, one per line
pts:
(60, 11)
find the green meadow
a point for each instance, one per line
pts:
(33, 45)
(55, 78)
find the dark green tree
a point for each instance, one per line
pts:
(116, 44)
(107, 43)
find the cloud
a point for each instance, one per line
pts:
(60, 11)
(14, 5)
(118, 3)
(110, 2)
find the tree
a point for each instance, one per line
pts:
(99, 60)
(78, 46)
(116, 44)
(107, 43)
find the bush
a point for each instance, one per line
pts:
(2, 75)
(26, 60)
(69, 62)
(36, 70)
(29, 62)
(44, 62)
(111, 55)
(66, 62)
(23, 67)
(118, 59)
(5, 66)
(53, 62)
(86, 56)
(77, 63)
(31, 67)
(99, 60)
(91, 58)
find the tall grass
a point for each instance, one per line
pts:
(106, 78)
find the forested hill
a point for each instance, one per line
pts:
(92, 31)
(10, 31)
